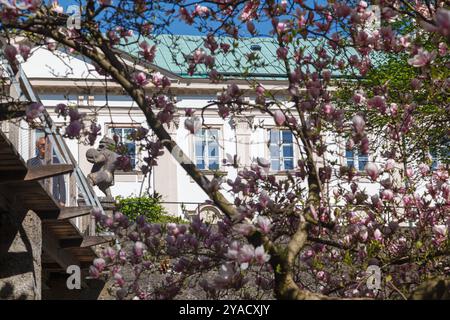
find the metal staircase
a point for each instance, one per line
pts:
(24, 91)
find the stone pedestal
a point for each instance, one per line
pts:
(20, 256)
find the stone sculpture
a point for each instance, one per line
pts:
(104, 160)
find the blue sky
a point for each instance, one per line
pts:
(179, 27)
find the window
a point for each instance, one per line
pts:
(124, 137)
(281, 150)
(441, 155)
(356, 159)
(207, 149)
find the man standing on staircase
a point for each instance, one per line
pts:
(59, 187)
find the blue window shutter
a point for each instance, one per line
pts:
(349, 155)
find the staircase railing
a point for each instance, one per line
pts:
(25, 92)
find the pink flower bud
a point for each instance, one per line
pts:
(424, 169)
(140, 79)
(372, 171)
(260, 90)
(387, 194)
(377, 235)
(94, 272)
(192, 124)
(110, 253)
(138, 248)
(100, 264)
(282, 53)
(10, 52)
(390, 164)
(261, 256)
(263, 162)
(119, 279)
(264, 224)
(358, 124)
(279, 117)
(33, 110)
(328, 109)
(409, 172)
(24, 50)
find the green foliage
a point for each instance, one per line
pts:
(149, 207)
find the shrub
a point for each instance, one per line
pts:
(149, 207)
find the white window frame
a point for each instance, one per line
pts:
(356, 159)
(206, 151)
(280, 146)
(110, 133)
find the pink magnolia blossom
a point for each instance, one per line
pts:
(10, 52)
(199, 56)
(251, 27)
(377, 102)
(119, 280)
(358, 98)
(110, 253)
(390, 165)
(140, 79)
(148, 52)
(279, 117)
(56, 7)
(138, 248)
(424, 169)
(260, 90)
(282, 53)
(24, 51)
(186, 16)
(422, 58)
(441, 22)
(262, 162)
(358, 124)
(201, 11)
(193, 124)
(244, 229)
(94, 272)
(249, 12)
(377, 235)
(405, 41)
(387, 194)
(261, 256)
(328, 109)
(409, 172)
(264, 224)
(442, 49)
(246, 255)
(440, 233)
(157, 79)
(100, 264)
(416, 84)
(408, 200)
(33, 110)
(372, 171)
(73, 130)
(281, 27)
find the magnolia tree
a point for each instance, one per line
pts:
(316, 233)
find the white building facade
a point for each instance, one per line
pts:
(59, 77)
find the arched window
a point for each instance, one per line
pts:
(209, 214)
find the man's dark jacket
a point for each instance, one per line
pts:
(59, 187)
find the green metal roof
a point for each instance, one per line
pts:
(172, 49)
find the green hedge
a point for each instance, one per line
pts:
(147, 206)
